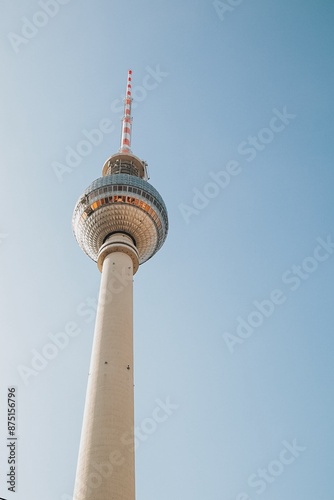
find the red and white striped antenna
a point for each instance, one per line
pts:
(127, 118)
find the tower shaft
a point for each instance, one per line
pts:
(105, 468)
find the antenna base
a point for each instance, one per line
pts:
(125, 163)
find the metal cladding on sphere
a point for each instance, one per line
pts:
(121, 203)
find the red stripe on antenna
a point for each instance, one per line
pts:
(127, 119)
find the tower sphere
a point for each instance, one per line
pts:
(121, 202)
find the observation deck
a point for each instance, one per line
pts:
(120, 203)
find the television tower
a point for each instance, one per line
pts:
(120, 221)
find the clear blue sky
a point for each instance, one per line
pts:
(234, 316)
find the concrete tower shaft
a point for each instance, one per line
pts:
(106, 458)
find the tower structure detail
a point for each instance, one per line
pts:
(120, 221)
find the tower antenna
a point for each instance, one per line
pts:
(127, 118)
